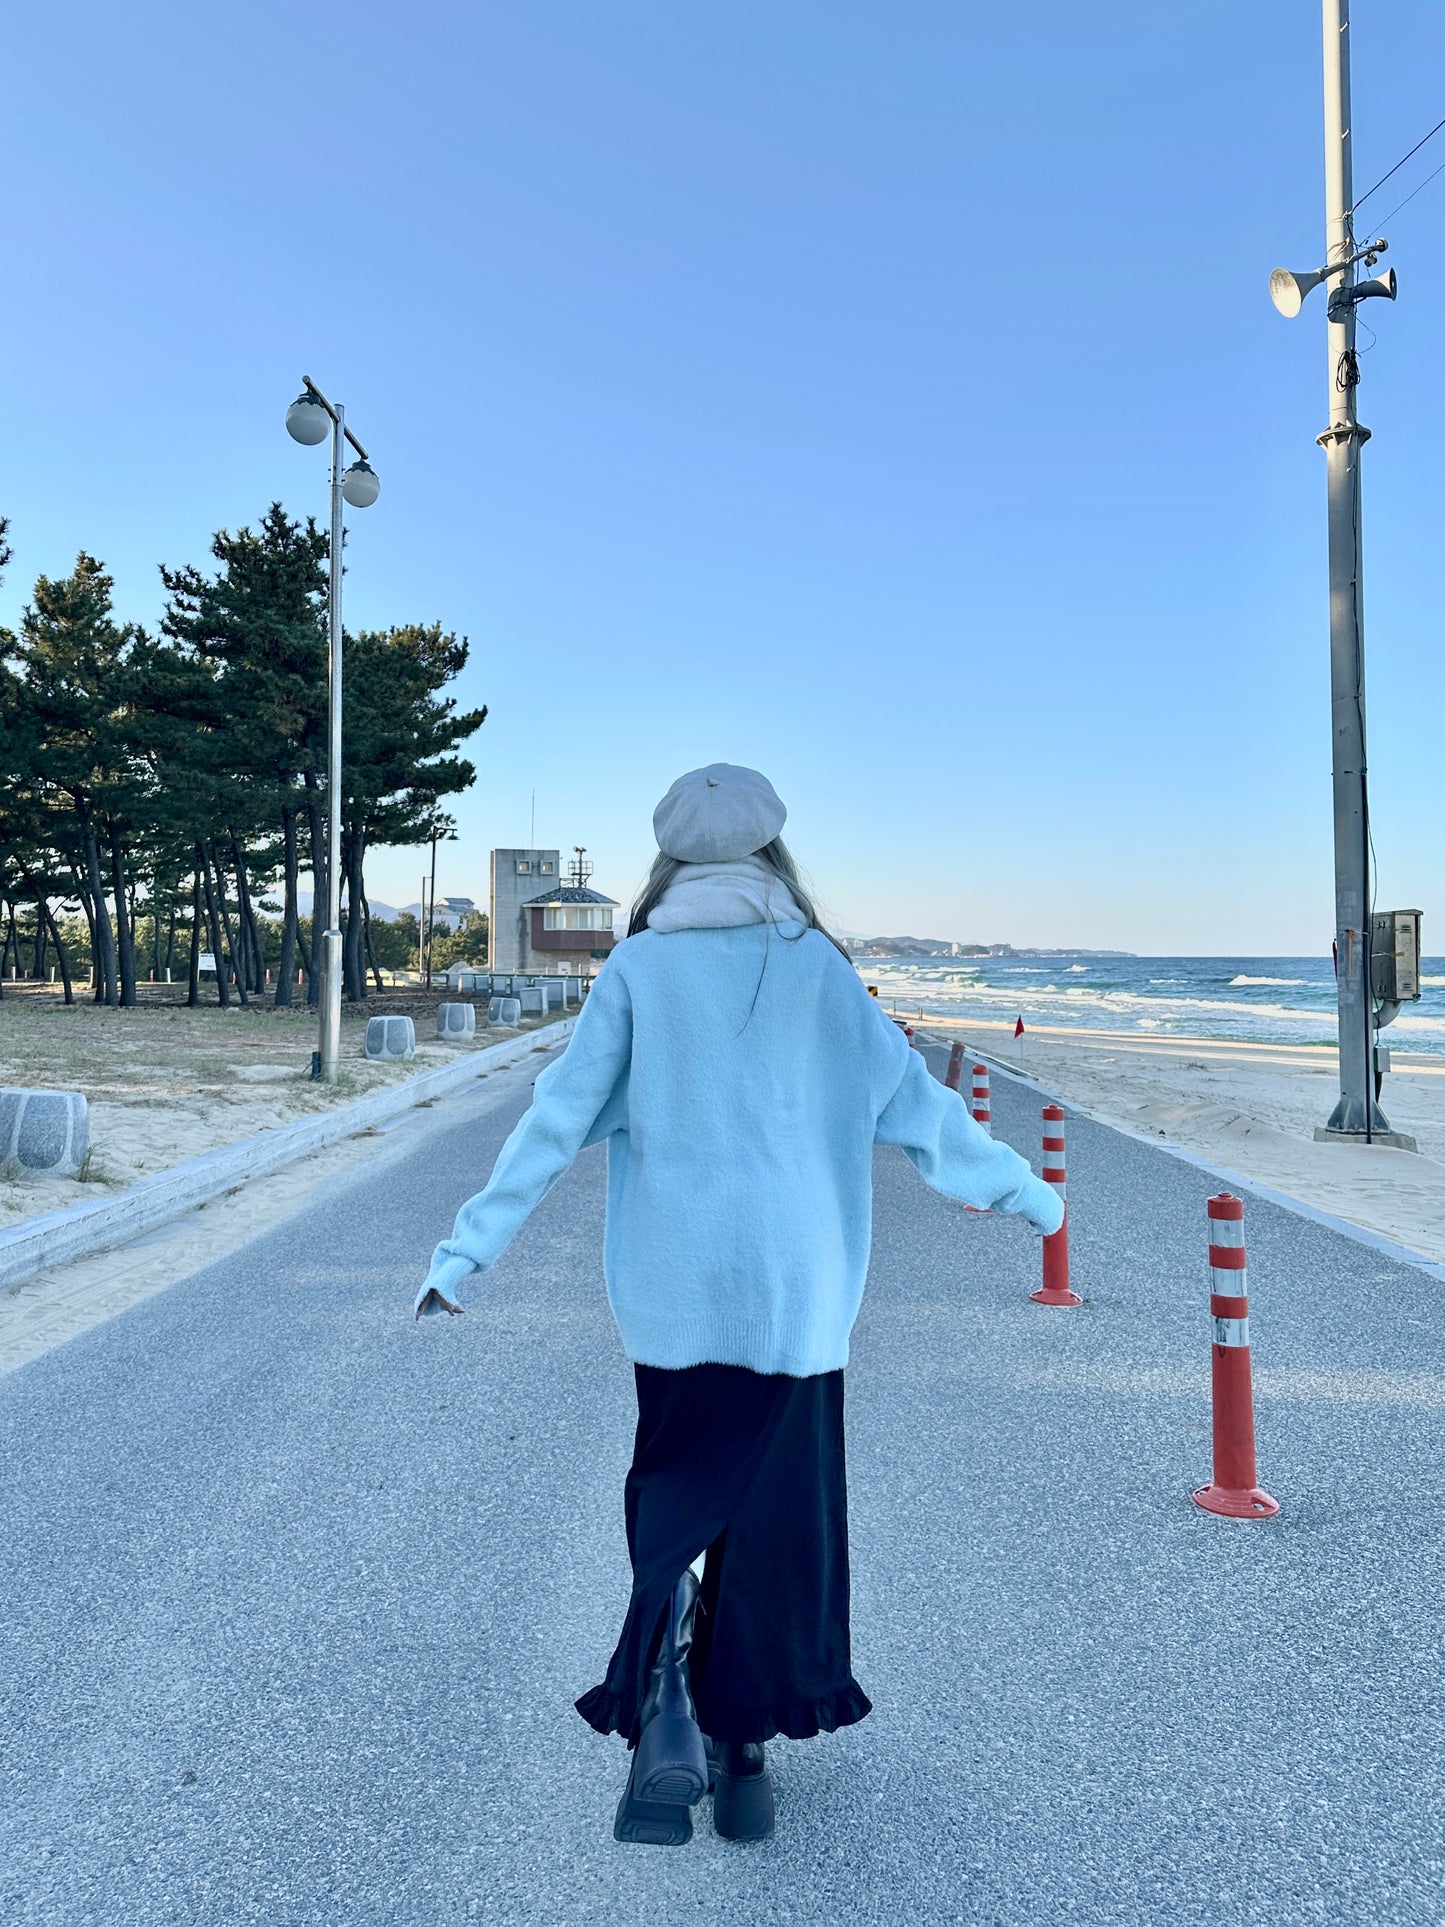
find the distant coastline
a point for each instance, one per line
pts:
(945, 947)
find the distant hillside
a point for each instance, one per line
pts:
(945, 947)
(384, 912)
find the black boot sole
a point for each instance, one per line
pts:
(651, 1823)
(744, 1809)
(670, 1764)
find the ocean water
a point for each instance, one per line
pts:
(1277, 1000)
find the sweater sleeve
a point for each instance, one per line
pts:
(957, 1156)
(568, 1100)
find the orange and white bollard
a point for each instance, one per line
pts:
(1055, 1288)
(1235, 1490)
(981, 1114)
(953, 1077)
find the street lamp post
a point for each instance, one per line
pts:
(309, 420)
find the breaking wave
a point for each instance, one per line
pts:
(1230, 999)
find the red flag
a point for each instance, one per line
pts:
(1019, 1028)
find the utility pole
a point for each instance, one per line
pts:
(1356, 1114)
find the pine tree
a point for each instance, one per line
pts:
(259, 622)
(72, 685)
(398, 753)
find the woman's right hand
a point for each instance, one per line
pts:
(430, 1300)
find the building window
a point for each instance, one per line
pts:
(579, 919)
(546, 868)
(524, 868)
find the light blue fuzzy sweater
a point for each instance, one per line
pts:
(740, 1078)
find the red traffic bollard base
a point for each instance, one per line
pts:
(1055, 1288)
(1233, 1503)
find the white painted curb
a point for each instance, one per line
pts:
(81, 1229)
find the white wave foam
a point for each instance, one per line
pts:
(1285, 983)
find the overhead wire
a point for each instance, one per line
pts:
(1411, 195)
(1396, 168)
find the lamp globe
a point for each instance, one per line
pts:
(307, 421)
(359, 485)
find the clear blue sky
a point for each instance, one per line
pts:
(888, 397)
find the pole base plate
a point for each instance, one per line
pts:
(1051, 1295)
(1234, 1502)
(1392, 1140)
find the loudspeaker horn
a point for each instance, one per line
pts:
(1383, 284)
(1287, 291)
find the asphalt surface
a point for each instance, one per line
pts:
(297, 1594)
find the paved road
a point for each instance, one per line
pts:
(297, 1594)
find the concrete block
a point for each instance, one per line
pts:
(533, 1000)
(553, 992)
(472, 980)
(571, 991)
(45, 1133)
(504, 1010)
(456, 1020)
(390, 1038)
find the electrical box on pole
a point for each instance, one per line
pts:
(1395, 956)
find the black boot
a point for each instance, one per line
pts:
(742, 1789)
(669, 1767)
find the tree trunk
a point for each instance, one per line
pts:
(59, 943)
(124, 928)
(232, 957)
(102, 936)
(354, 970)
(366, 931)
(286, 969)
(82, 897)
(170, 962)
(246, 916)
(226, 927)
(156, 925)
(193, 974)
(320, 897)
(40, 936)
(223, 962)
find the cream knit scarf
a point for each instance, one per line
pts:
(719, 896)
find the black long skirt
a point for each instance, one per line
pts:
(748, 1467)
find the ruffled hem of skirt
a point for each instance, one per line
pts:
(797, 1720)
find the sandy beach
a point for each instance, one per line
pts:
(1251, 1108)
